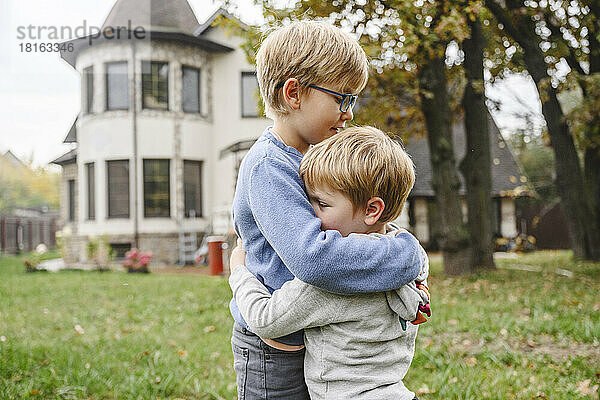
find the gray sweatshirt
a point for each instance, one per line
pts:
(355, 345)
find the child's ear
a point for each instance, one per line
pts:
(374, 209)
(291, 93)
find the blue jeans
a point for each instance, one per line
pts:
(264, 372)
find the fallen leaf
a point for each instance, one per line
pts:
(34, 392)
(2, 338)
(79, 330)
(425, 390)
(452, 322)
(157, 379)
(585, 389)
(182, 353)
(172, 343)
(87, 365)
(471, 361)
(453, 379)
(209, 328)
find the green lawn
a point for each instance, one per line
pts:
(500, 334)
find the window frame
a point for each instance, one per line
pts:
(106, 77)
(146, 214)
(91, 190)
(88, 88)
(151, 63)
(243, 114)
(200, 164)
(108, 192)
(199, 72)
(72, 190)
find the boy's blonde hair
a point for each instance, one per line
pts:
(362, 162)
(314, 53)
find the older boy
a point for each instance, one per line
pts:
(308, 74)
(356, 346)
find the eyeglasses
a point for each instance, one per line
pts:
(347, 100)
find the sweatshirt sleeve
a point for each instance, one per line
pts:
(296, 305)
(344, 265)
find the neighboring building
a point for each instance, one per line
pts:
(156, 113)
(13, 160)
(507, 183)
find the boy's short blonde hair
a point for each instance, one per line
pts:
(362, 162)
(314, 53)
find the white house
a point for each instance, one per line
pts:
(157, 109)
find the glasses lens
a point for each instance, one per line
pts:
(345, 103)
(348, 103)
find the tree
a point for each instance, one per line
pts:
(475, 167)
(407, 43)
(24, 186)
(547, 34)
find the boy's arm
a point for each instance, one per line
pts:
(324, 259)
(295, 306)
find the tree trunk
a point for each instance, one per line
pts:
(592, 189)
(475, 167)
(435, 106)
(569, 176)
(591, 164)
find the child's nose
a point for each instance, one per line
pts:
(348, 115)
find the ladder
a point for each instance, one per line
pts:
(188, 245)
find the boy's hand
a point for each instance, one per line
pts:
(238, 255)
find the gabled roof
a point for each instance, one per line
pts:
(154, 15)
(14, 160)
(72, 135)
(202, 29)
(67, 158)
(506, 174)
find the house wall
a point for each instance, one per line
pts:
(421, 227)
(229, 125)
(69, 172)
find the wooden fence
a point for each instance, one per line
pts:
(23, 234)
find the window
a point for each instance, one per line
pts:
(91, 191)
(88, 85)
(250, 94)
(120, 249)
(71, 200)
(155, 85)
(117, 173)
(191, 90)
(192, 187)
(117, 86)
(156, 188)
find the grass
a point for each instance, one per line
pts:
(499, 334)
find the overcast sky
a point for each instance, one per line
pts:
(40, 95)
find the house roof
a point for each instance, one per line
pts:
(172, 20)
(506, 174)
(67, 158)
(14, 160)
(154, 15)
(72, 134)
(204, 27)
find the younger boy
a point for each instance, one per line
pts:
(309, 74)
(357, 347)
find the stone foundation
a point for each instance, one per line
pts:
(164, 247)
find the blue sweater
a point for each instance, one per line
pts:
(282, 235)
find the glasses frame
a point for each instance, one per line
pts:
(349, 105)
